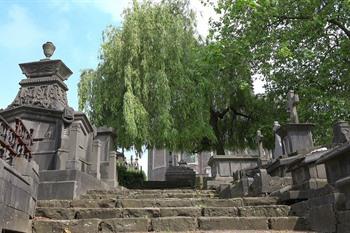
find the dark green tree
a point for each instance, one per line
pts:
(299, 45)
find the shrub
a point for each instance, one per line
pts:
(129, 177)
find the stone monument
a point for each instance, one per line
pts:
(72, 156)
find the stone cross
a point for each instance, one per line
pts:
(259, 138)
(293, 100)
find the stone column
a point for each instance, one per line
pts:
(112, 179)
(73, 162)
(95, 159)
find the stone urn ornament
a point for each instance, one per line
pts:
(49, 49)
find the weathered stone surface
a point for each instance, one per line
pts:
(141, 212)
(104, 213)
(124, 225)
(220, 211)
(54, 203)
(289, 223)
(63, 226)
(322, 218)
(138, 203)
(264, 211)
(55, 213)
(182, 211)
(171, 224)
(219, 202)
(232, 223)
(102, 203)
(343, 218)
(300, 208)
(251, 201)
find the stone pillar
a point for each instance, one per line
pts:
(112, 179)
(73, 162)
(95, 159)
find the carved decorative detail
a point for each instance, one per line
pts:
(46, 96)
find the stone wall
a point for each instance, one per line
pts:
(18, 194)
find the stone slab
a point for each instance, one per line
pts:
(289, 223)
(220, 211)
(264, 211)
(232, 223)
(182, 211)
(124, 225)
(174, 224)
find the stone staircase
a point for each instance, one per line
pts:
(163, 210)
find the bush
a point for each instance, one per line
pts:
(129, 177)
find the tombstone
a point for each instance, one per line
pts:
(66, 146)
(296, 137)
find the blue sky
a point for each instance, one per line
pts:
(75, 27)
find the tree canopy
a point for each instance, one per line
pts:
(295, 45)
(159, 85)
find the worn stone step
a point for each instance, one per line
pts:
(160, 202)
(142, 203)
(149, 196)
(149, 191)
(252, 223)
(105, 213)
(169, 224)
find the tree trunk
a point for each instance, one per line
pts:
(214, 120)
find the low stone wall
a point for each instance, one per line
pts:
(67, 184)
(18, 190)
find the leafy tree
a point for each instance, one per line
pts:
(143, 86)
(299, 45)
(159, 86)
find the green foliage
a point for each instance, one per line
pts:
(130, 177)
(157, 85)
(299, 45)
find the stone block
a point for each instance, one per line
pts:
(54, 203)
(55, 213)
(173, 224)
(322, 218)
(300, 208)
(253, 201)
(73, 226)
(141, 212)
(182, 211)
(103, 213)
(220, 211)
(289, 223)
(232, 223)
(102, 203)
(124, 225)
(264, 211)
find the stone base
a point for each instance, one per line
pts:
(216, 183)
(181, 174)
(67, 184)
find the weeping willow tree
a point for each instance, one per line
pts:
(157, 85)
(144, 86)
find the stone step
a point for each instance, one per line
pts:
(169, 224)
(151, 191)
(163, 202)
(106, 213)
(148, 195)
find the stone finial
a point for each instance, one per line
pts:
(292, 102)
(49, 49)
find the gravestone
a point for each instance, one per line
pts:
(69, 151)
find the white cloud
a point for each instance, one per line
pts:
(112, 7)
(19, 31)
